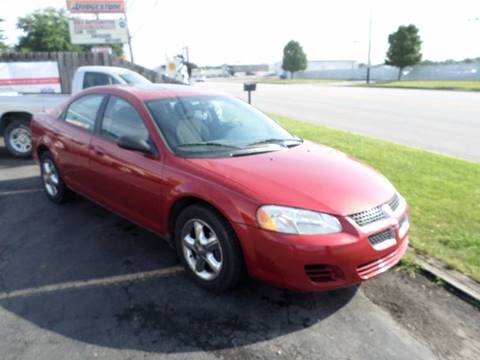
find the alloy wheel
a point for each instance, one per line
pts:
(20, 140)
(202, 249)
(50, 177)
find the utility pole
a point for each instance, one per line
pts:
(187, 57)
(129, 38)
(369, 62)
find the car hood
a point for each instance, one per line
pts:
(309, 176)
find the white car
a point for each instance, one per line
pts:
(200, 78)
(16, 110)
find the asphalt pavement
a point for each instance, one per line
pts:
(447, 122)
(77, 282)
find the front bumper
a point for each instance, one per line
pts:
(321, 262)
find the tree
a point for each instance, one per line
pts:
(294, 58)
(3, 46)
(47, 30)
(404, 50)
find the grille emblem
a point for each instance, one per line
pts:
(387, 210)
(377, 213)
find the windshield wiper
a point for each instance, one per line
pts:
(276, 141)
(207, 144)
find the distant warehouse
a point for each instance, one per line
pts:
(249, 68)
(322, 65)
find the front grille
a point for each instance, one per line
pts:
(394, 202)
(382, 236)
(368, 216)
(375, 214)
(320, 273)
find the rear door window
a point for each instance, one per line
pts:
(83, 111)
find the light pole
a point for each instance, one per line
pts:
(129, 38)
(187, 55)
(369, 62)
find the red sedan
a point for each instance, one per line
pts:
(228, 187)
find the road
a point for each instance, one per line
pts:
(78, 282)
(442, 121)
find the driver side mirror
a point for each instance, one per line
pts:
(136, 143)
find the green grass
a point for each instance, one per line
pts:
(409, 264)
(297, 81)
(433, 84)
(443, 192)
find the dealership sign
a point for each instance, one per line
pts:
(85, 32)
(96, 6)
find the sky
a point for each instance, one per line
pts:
(255, 31)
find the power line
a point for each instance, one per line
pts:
(155, 4)
(129, 34)
(131, 3)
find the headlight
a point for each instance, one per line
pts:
(296, 221)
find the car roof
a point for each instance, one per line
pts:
(104, 69)
(153, 91)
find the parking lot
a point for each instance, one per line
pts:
(78, 282)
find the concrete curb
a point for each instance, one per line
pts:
(453, 278)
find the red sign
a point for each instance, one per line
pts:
(96, 6)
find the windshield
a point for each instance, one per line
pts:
(216, 126)
(132, 78)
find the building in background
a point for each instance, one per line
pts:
(320, 65)
(227, 70)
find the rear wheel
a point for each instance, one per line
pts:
(208, 248)
(53, 183)
(18, 138)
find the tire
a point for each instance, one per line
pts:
(218, 266)
(18, 139)
(53, 184)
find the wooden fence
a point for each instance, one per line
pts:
(68, 62)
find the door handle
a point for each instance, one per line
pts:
(99, 151)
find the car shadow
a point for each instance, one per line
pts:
(8, 161)
(56, 269)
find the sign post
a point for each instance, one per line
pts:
(99, 32)
(249, 87)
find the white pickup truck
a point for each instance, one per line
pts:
(16, 110)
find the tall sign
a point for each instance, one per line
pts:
(96, 6)
(86, 32)
(99, 32)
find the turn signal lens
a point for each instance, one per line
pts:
(265, 221)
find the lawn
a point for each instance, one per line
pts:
(443, 192)
(433, 84)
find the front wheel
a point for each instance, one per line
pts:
(18, 138)
(208, 248)
(53, 183)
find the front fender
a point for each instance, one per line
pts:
(238, 209)
(235, 207)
